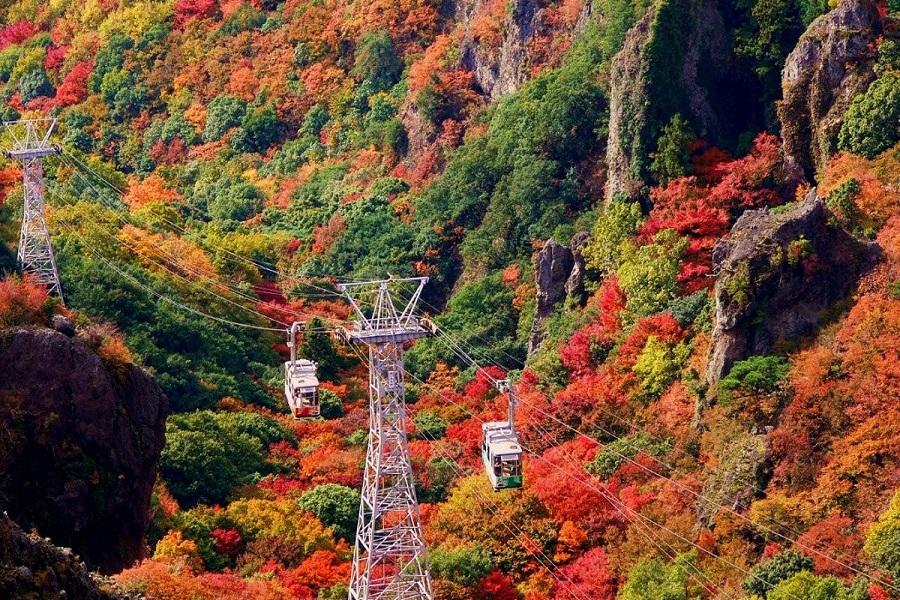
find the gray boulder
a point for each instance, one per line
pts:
(778, 273)
(831, 64)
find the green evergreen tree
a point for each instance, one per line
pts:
(337, 506)
(872, 124)
(767, 575)
(672, 158)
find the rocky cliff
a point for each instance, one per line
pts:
(503, 60)
(831, 64)
(31, 567)
(559, 272)
(671, 63)
(80, 444)
(779, 272)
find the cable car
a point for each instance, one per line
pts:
(301, 385)
(500, 448)
(502, 455)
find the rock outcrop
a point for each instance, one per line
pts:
(832, 63)
(500, 68)
(32, 567)
(80, 445)
(558, 275)
(575, 282)
(779, 271)
(670, 63)
(741, 470)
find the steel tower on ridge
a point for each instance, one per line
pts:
(389, 560)
(30, 145)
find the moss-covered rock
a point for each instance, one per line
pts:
(80, 445)
(832, 63)
(31, 568)
(778, 272)
(675, 60)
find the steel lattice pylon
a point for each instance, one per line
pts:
(389, 559)
(30, 144)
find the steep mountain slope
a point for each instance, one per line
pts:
(83, 430)
(30, 567)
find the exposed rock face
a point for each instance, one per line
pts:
(81, 445)
(501, 70)
(830, 65)
(741, 470)
(558, 275)
(500, 66)
(628, 92)
(31, 567)
(420, 132)
(778, 272)
(575, 282)
(670, 63)
(63, 325)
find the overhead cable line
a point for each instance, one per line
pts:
(176, 261)
(453, 345)
(519, 534)
(271, 268)
(615, 502)
(163, 297)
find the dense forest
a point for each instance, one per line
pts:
(674, 223)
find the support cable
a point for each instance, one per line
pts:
(271, 268)
(679, 485)
(519, 534)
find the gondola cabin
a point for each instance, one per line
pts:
(301, 387)
(502, 455)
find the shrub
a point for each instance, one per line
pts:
(883, 539)
(618, 222)
(228, 199)
(465, 566)
(266, 430)
(176, 126)
(330, 405)
(35, 84)
(376, 61)
(687, 309)
(8, 59)
(480, 314)
(872, 123)
(770, 34)
(429, 425)
(649, 274)
(658, 364)
(201, 466)
(672, 158)
(842, 204)
(207, 454)
(336, 506)
(809, 587)
(223, 113)
(612, 455)
(24, 303)
(336, 592)
(655, 580)
(755, 375)
(767, 575)
(259, 130)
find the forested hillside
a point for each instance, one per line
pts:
(675, 223)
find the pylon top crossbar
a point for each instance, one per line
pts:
(30, 138)
(384, 323)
